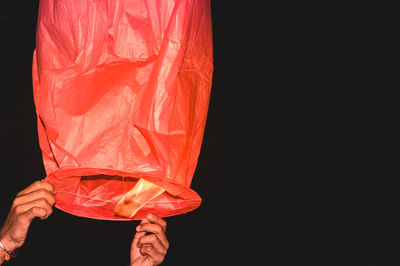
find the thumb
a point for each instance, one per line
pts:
(135, 253)
(138, 233)
(136, 238)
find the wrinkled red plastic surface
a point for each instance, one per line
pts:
(121, 90)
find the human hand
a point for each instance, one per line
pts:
(36, 200)
(150, 249)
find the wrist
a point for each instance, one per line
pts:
(8, 244)
(5, 252)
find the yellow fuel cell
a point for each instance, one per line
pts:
(136, 198)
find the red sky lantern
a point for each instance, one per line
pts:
(121, 90)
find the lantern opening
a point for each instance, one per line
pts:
(96, 195)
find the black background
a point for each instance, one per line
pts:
(299, 163)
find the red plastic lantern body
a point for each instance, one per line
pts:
(121, 90)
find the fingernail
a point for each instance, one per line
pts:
(138, 228)
(149, 216)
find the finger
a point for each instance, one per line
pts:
(150, 251)
(33, 212)
(38, 185)
(157, 220)
(154, 241)
(39, 203)
(34, 195)
(155, 229)
(145, 221)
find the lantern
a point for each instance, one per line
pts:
(121, 91)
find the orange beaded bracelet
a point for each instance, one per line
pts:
(5, 253)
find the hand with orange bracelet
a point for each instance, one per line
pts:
(36, 200)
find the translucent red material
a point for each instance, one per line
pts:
(121, 90)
